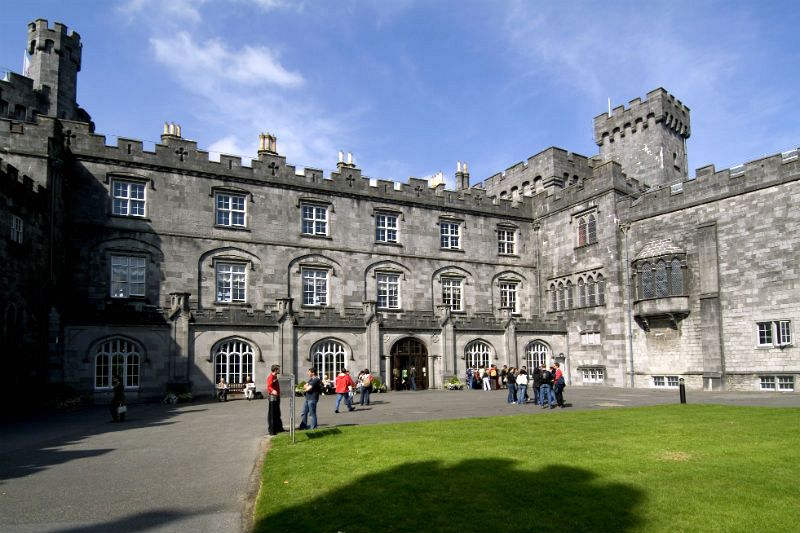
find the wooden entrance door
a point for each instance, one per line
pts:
(408, 353)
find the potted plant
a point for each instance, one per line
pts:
(454, 384)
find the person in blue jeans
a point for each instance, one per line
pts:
(511, 381)
(544, 389)
(311, 392)
(522, 386)
(366, 386)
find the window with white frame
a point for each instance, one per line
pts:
(508, 295)
(774, 333)
(477, 354)
(666, 381)
(16, 229)
(777, 383)
(593, 375)
(590, 338)
(231, 210)
(315, 287)
(388, 290)
(786, 383)
(386, 227)
(768, 383)
(506, 241)
(451, 293)
(127, 276)
(117, 357)
(128, 198)
(328, 358)
(231, 282)
(450, 235)
(536, 354)
(233, 361)
(315, 219)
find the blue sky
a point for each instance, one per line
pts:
(411, 87)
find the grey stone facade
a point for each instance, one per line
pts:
(145, 262)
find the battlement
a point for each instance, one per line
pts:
(20, 186)
(552, 168)
(659, 106)
(45, 39)
(712, 185)
(179, 153)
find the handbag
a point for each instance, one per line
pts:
(122, 409)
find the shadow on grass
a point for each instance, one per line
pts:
(319, 433)
(474, 495)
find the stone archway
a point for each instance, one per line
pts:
(407, 353)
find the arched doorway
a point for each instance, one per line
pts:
(411, 356)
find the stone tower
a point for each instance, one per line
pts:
(54, 65)
(648, 139)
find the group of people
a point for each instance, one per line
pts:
(345, 388)
(405, 378)
(547, 383)
(223, 389)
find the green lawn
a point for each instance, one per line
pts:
(667, 468)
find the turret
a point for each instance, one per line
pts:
(54, 64)
(648, 139)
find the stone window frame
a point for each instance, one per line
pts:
(129, 295)
(506, 247)
(106, 351)
(229, 261)
(451, 282)
(225, 351)
(17, 229)
(398, 275)
(537, 352)
(479, 351)
(665, 381)
(775, 333)
(776, 383)
(593, 374)
(591, 337)
(246, 196)
(517, 285)
(450, 222)
(652, 282)
(315, 301)
(379, 212)
(318, 205)
(128, 181)
(585, 223)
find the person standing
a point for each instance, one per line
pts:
(366, 386)
(537, 383)
(412, 377)
(493, 376)
(544, 388)
(311, 391)
(522, 386)
(504, 376)
(274, 423)
(470, 375)
(511, 383)
(558, 385)
(344, 384)
(249, 388)
(117, 400)
(485, 379)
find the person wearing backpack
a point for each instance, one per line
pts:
(558, 384)
(311, 391)
(537, 383)
(366, 386)
(522, 386)
(544, 389)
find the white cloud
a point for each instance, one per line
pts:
(271, 5)
(174, 10)
(211, 64)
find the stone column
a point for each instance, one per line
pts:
(510, 337)
(710, 313)
(449, 365)
(286, 350)
(372, 335)
(180, 341)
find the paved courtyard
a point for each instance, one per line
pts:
(194, 467)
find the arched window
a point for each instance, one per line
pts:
(553, 297)
(233, 360)
(560, 296)
(648, 288)
(117, 357)
(569, 295)
(662, 289)
(581, 293)
(477, 354)
(328, 357)
(536, 354)
(676, 275)
(590, 294)
(601, 290)
(591, 230)
(581, 231)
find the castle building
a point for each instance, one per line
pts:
(173, 270)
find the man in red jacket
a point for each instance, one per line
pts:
(274, 424)
(344, 384)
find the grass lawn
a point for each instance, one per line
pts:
(666, 468)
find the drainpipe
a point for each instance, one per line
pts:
(625, 229)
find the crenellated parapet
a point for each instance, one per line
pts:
(712, 185)
(55, 40)
(659, 107)
(20, 187)
(178, 154)
(549, 170)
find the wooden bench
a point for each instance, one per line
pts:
(238, 388)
